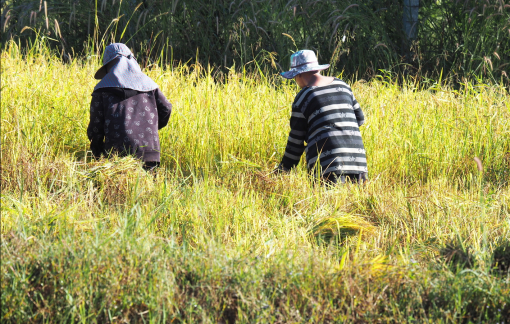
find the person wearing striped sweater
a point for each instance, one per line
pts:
(325, 115)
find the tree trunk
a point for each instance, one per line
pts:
(410, 18)
(410, 27)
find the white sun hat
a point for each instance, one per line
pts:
(303, 61)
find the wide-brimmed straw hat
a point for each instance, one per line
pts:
(111, 52)
(303, 61)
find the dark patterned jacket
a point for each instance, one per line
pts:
(125, 121)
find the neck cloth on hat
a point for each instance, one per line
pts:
(124, 71)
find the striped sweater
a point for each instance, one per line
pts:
(327, 118)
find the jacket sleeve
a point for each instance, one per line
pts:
(360, 118)
(164, 108)
(296, 141)
(95, 130)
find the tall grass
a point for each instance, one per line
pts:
(459, 39)
(214, 237)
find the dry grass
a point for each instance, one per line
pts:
(214, 237)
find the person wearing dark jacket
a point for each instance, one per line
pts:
(127, 109)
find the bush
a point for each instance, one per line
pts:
(465, 39)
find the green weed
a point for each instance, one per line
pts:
(214, 237)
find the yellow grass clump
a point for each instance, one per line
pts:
(214, 211)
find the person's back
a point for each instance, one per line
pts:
(127, 109)
(128, 121)
(325, 115)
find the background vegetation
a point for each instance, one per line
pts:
(213, 237)
(456, 39)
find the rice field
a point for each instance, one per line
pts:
(214, 237)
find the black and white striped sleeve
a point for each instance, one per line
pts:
(360, 118)
(296, 141)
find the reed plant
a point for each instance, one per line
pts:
(214, 237)
(458, 39)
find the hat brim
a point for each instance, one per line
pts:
(101, 72)
(293, 72)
